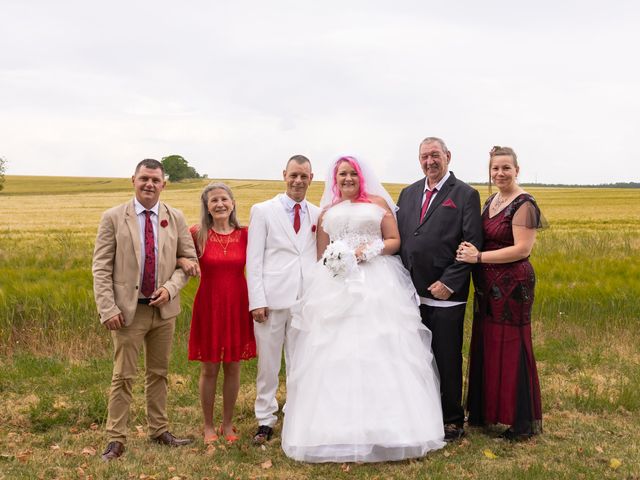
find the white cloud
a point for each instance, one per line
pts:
(237, 87)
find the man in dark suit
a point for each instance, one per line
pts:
(435, 214)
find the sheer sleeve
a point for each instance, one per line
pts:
(529, 215)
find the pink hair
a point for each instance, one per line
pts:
(362, 193)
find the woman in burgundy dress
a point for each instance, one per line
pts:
(503, 379)
(221, 326)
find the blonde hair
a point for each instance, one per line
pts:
(206, 221)
(498, 150)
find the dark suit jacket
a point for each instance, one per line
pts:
(428, 249)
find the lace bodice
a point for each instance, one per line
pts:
(353, 223)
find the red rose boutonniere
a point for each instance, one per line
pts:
(164, 223)
(313, 229)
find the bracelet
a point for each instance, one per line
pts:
(479, 257)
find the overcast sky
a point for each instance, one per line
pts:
(237, 87)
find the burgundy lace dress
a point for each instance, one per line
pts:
(503, 379)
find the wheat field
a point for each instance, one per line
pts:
(55, 357)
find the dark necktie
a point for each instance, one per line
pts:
(427, 199)
(149, 274)
(296, 217)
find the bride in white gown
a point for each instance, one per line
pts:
(363, 386)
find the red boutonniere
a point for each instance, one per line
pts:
(164, 223)
(313, 228)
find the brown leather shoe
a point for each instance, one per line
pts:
(167, 438)
(114, 450)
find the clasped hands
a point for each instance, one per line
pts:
(467, 253)
(158, 298)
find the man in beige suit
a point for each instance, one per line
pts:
(137, 289)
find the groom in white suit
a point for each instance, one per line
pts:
(280, 255)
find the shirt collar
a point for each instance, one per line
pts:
(439, 185)
(290, 202)
(139, 208)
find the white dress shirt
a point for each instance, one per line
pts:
(289, 203)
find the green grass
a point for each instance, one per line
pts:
(55, 356)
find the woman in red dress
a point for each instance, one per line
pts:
(221, 326)
(503, 379)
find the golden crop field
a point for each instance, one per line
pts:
(55, 357)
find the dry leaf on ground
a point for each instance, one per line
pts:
(89, 451)
(266, 464)
(24, 456)
(615, 463)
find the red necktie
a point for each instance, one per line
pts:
(296, 217)
(425, 205)
(149, 274)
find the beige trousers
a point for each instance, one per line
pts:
(148, 329)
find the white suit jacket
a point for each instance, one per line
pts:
(279, 261)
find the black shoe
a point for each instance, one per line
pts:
(453, 432)
(114, 450)
(263, 435)
(168, 439)
(513, 436)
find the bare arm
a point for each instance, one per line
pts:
(322, 238)
(523, 240)
(389, 227)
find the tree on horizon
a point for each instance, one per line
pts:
(177, 168)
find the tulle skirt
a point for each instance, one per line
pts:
(363, 386)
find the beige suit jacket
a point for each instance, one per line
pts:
(116, 260)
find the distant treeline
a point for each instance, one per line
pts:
(565, 185)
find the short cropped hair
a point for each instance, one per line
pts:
(299, 159)
(150, 163)
(434, 139)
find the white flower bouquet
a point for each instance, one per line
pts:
(339, 258)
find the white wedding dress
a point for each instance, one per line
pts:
(363, 386)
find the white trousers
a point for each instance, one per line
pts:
(271, 336)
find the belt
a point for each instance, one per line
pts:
(144, 301)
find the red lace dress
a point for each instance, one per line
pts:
(221, 325)
(503, 379)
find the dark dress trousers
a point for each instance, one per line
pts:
(428, 251)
